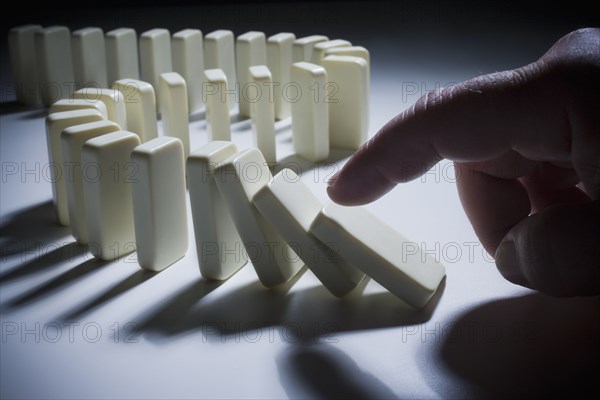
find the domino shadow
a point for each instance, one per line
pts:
(11, 107)
(326, 167)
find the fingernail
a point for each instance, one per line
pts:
(333, 178)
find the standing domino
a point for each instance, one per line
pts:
(78, 104)
(263, 113)
(218, 243)
(279, 61)
(188, 61)
(250, 50)
(219, 53)
(155, 56)
(89, 58)
(238, 179)
(174, 108)
(112, 99)
(217, 108)
(55, 124)
(72, 140)
(54, 63)
(159, 205)
(310, 119)
(303, 47)
(122, 55)
(320, 48)
(291, 207)
(349, 115)
(140, 107)
(376, 248)
(108, 203)
(21, 43)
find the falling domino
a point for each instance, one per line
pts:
(310, 119)
(108, 201)
(188, 61)
(219, 53)
(112, 99)
(140, 107)
(55, 124)
(303, 47)
(349, 105)
(21, 43)
(54, 63)
(217, 108)
(238, 179)
(320, 48)
(174, 108)
(218, 243)
(377, 250)
(291, 207)
(89, 58)
(155, 56)
(78, 104)
(159, 205)
(263, 113)
(279, 61)
(122, 55)
(250, 50)
(72, 140)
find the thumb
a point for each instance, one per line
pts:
(556, 251)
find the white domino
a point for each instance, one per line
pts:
(303, 47)
(55, 124)
(217, 107)
(174, 108)
(349, 113)
(250, 50)
(291, 207)
(377, 250)
(140, 107)
(188, 60)
(238, 179)
(112, 99)
(54, 63)
(355, 51)
(155, 56)
(89, 58)
(263, 112)
(310, 119)
(320, 48)
(122, 55)
(21, 43)
(78, 104)
(72, 140)
(159, 204)
(279, 62)
(219, 53)
(218, 243)
(108, 202)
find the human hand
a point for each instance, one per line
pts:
(526, 150)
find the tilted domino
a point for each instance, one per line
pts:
(310, 119)
(78, 104)
(218, 243)
(378, 250)
(250, 50)
(174, 108)
(217, 107)
(239, 178)
(320, 48)
(21, 43)
(112, 99)
(89, 58)
(303, 47)
(279, 61)
(355, 51)
(263, 113)
(55, 124)
(140, 107)
(349, 105)
(291, 207)
(219, 53)
(155, 56)
(108, 201)
(159, 204)
(54, 63)
(188, 60)
(122, 55)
